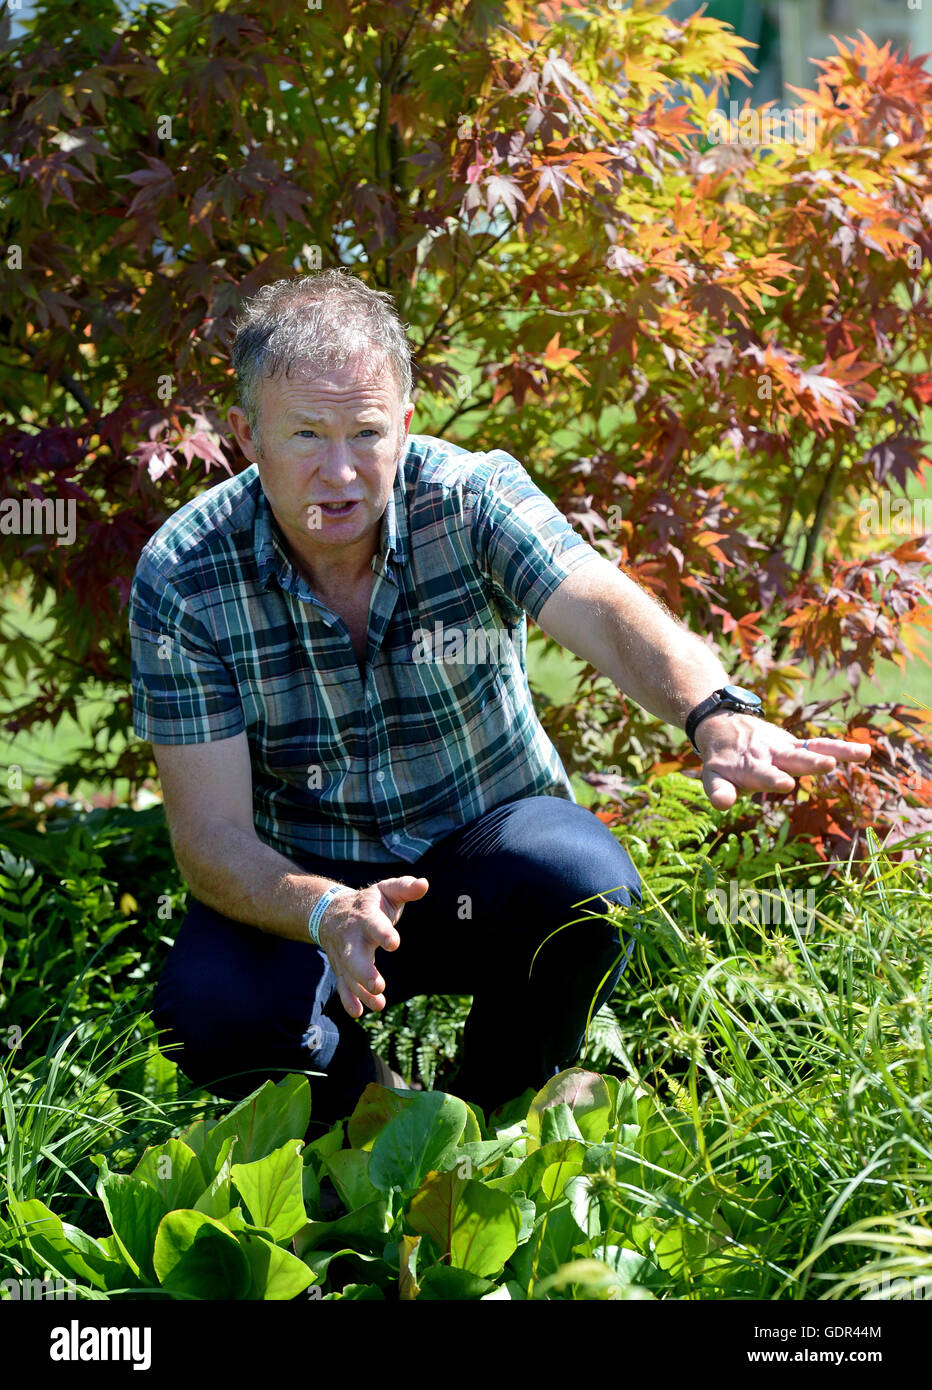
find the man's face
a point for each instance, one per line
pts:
(329, 452)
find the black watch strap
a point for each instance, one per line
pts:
(719, 700)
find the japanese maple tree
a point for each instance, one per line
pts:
(709, 352)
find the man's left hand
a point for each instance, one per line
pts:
(743, 753)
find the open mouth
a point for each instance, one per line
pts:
(337, 508)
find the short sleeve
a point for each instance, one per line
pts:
(182, 690)
(521, 539)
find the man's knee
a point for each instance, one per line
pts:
(561, 852)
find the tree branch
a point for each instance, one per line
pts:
(822, 505)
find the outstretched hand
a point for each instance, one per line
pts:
(355, 927)
(743, 753)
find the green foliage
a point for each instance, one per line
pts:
(88, 907)
(760, 1131)
(164, 1239)
(779, 1148)
(420, 1037)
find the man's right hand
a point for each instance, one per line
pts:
(353, 929)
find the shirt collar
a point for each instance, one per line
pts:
(273, 561)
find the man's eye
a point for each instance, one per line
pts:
(367, 430)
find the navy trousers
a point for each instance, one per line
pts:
(246, 1006)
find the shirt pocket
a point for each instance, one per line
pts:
(448, 699)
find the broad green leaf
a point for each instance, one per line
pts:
(416, 1140)
(556, 1240)
(587, 1096)
(65, 1249)
(271, 1189)
(174, 1171)
(622, 1149)
(372, 1266)
(478, 1228)
(197, 1257)
(442, 1283)
(584, 1207)
(195, 1137)
(528, 1214)
(668, 1142)
(263, 1121)
(134, 1210)
(606, 1158)
(472, 1159)
(327, 1144)
(555, 1178)
(472, 1134)
(235, 1221)
(369, 1225)
(216, 1199)
(433, 1205)
(375, 1107)
(624, 1101)
(528, 1175)
(556, 1122)
(276, 1273)
(407, 1267)
(485, 1229)
(349, 1170)
(634, 1268)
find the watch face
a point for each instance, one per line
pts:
(738, 692)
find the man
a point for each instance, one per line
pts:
(328, 658)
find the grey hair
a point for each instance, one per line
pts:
(321, 322)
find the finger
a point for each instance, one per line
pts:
(403, 890)
(722, 794)
(843, 749)
(372, 1000)
(381, 931)
(802, 761)
(395, 892)
(717, 777)
(361, 976)
(349, 1001)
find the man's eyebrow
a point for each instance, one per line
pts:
(363, 417)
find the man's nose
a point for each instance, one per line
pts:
(337, 466)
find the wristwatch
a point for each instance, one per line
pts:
(730, 697)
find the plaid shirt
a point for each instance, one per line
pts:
(227, 638)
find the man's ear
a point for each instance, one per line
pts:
(240, 427)
(406, 418)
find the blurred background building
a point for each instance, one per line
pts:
(791, 32)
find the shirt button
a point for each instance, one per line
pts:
(380, 776)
